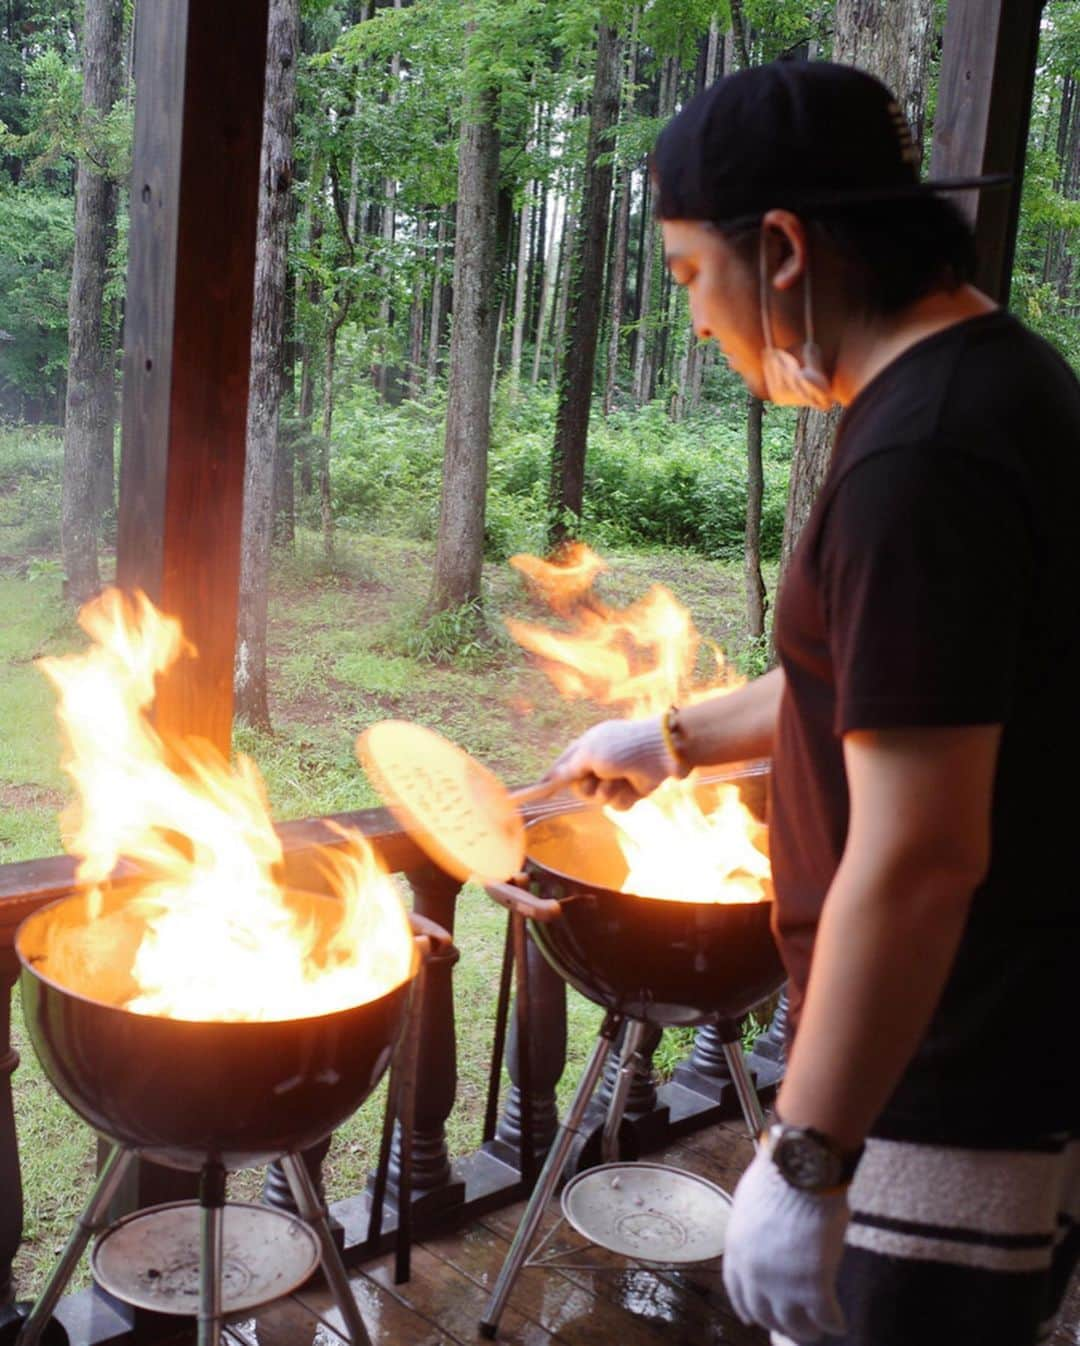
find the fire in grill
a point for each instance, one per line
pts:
(663, 961)
(185, 1092)
(197, 1012)
(660, 914)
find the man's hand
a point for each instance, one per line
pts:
(619, 761)
(782, 1254)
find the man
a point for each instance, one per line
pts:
(928, 642)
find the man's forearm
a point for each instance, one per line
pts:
(733, 726)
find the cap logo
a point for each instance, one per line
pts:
(909, 151)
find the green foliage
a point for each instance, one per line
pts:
(752, 658)
(30, 464)
(455, 636)
(36, 244)
(647, 481)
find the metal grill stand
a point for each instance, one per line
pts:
(211, 1275)
(213, 1304)
(570, 1127)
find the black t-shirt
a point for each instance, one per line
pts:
(937, 582)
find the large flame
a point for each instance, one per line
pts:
(686, 841)
(211, 933)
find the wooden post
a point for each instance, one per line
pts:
(981, 125)
(199, 75)
(199, 69)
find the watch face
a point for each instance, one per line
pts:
(806, 1163)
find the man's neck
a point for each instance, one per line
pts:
(867, 348)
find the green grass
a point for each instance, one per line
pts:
(346, 649)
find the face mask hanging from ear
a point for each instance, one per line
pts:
(788, 382)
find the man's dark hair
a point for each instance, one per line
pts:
(767, 137)
(898, 251)
(901, 250)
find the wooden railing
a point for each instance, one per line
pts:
(446, 1192)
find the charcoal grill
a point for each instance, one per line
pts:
(644, 961)
(210, 1097)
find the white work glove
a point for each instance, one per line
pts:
(619, 761)
(782, 1253)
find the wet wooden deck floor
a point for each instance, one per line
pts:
(442, 1303)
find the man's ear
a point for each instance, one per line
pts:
(790, 234)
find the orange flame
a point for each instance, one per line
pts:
(218, 936)
(684, 842)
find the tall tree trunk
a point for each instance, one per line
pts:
(688, 393)
(741, 52)
(661, 373)
(285, 491)
(89, 408)
(340, 313)
(326, 508)
(622, 231)
(738, 53)
(267, 333)
(416, 314)
(1064, 117)
(644, 352)
(1068, 182)
(520, 290)
(544, 302)
(387, 231)
(585, 293)
(435, 323)
(894, 43)
(460, 550)
(354, 173)
(562, 282)
(305, 411)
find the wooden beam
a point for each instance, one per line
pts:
(987, 80)
(199, 70)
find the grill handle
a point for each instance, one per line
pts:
(439, 942)
(520, 900)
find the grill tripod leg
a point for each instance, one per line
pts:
(628, 1060)
(313, 1211)
(547, 1182)
(752, 1110)
(211, 1254)
(90, 1222)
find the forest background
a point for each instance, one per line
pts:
(465, 334)
(465, 346)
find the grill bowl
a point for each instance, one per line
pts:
(667, 963)
(183, 1092)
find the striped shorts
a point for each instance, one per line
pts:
(950, 1246)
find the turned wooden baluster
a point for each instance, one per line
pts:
(278, 1193)
(434, 1182)
(642, 1096)
(11, 1199)
(546, 1059)
(768, 1056)
(705, 1070)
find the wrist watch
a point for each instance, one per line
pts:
(807, 1159)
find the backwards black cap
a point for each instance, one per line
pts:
(793, 134)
